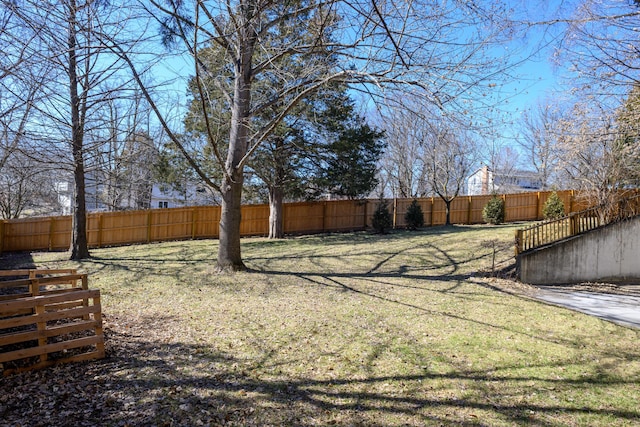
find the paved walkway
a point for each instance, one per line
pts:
(621, 309)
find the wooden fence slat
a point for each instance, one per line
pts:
(91, 355)
(52, 331)
(47, 317)
(49, 299)
(43, 350)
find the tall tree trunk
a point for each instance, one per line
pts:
(447, 204)
(79, 245)
(276, 195)
(276, 192)
(229, 254)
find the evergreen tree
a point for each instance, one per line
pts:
(351, 157)
(554, 207)
(381, 220)
(414, 217)
(493, 211)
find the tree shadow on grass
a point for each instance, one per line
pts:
(146, 381)
(16, 261)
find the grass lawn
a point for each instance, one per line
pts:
(343, 329)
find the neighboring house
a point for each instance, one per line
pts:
(64, 191)
(486, 181)
(163, 196)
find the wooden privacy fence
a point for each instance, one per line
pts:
(128, 227)
(575, 223)
(48, 317)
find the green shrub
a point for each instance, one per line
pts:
(493, 211)
(414, 218)
(554, 207)
(381, 220)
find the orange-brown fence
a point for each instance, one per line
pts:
(121, 228)
(47, 317)
(575, 223)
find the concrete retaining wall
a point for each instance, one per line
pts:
(611, 253)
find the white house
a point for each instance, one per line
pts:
(486, 181)
(163, 196)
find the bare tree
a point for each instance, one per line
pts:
(594, 159)
(601, 46)
(539, 142)
(63, 36)
(404, 164)
(25, 185)
(121, 153)
(451, 155)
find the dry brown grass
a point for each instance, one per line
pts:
(350, 329)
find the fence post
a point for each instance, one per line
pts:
(366, 205)
(504, 199)
(518, 242)
(99, 230)
(571, 201)
(432, 204)
(538, 206)
(149, 226)
(395, 211)
(85, 286)
(469, 210)
(193, 223)
(1, 235)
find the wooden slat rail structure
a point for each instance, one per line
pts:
(48, 317)
(554, 230)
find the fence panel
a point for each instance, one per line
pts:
(346, 215)
(206, 222)
(459, 210)
(118, 228)
(170, 224)
(60, 233)
(438, 212)
(477, 206)
(255, 220)
(306, 217)
(27, 234)
(521, 207)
